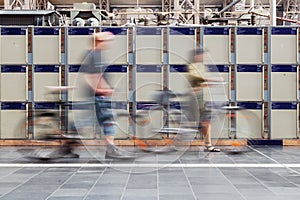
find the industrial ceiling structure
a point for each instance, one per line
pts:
(163, 12)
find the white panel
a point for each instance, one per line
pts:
(13, 49)
(284, 86)
(13, 124)
(283, 124)
(217, 47)
(78, 45)
(44, 126)
(41, 82)
(249, 49)
(147, 83)
(178, 79)
(119, 82)
(249, 86)
(148, 49)
(13, 86)
(220, 125)
(284, 49)
(46, 49)
(249, 124)
(122, 127)
(117, 52)
(85, 129)
(147, 129)
(218, 91)
(72, 78)
(180, 48)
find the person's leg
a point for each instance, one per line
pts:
(206, 131)
(106, 121)
(205, 126)
(105, 118)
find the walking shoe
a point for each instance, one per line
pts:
(114, 152)
(71, 155)
(211, 149)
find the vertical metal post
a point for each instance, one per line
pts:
(269, 82)
(133, 76)
(273, 12)
(251, 3)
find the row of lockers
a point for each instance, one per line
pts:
(17, 84)
(151, 45)
(249, 85)
(249, 123)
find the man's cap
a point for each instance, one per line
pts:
(106, 35)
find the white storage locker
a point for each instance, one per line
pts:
(13, 117)
(149, 45)
(249, 45)
(249, 83)
(284, 45)
(14, 46)
(216, 41)
(148, 80)
(14, 83)
(182, 42)
(284, 120)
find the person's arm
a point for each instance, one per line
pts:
(98, 84)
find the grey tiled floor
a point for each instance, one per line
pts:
(150, 177)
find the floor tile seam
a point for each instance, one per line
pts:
(261, 153)
(20, 168)
(259, 181)
(189, 183)
(287, 178)
(126, 184)
(157, 179)
(236, 189)
(60, 186)
(93, 186)
(19, 185)
(250, 175)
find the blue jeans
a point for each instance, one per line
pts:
(104, 115)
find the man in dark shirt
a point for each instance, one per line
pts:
(96, 86)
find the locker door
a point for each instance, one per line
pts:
(149, 47)
(72, 76)
(220, 123)
(178, 78)
(284, 84)
(14, 48)
(218, 91)
(13, 120)
(118, 47)
(182, 42)
(83, 117)
(46, 46)
(249, 122)
(13, 83)
(284, 121)
(117, 78)
(249, 45)
(122, 128)
(45, 125)
(43, 77)
(154, 120)
(148, 80)
(284, 45)
(216, 41)
(249, 83)
(79, 40)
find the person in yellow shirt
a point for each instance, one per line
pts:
(198, 82)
